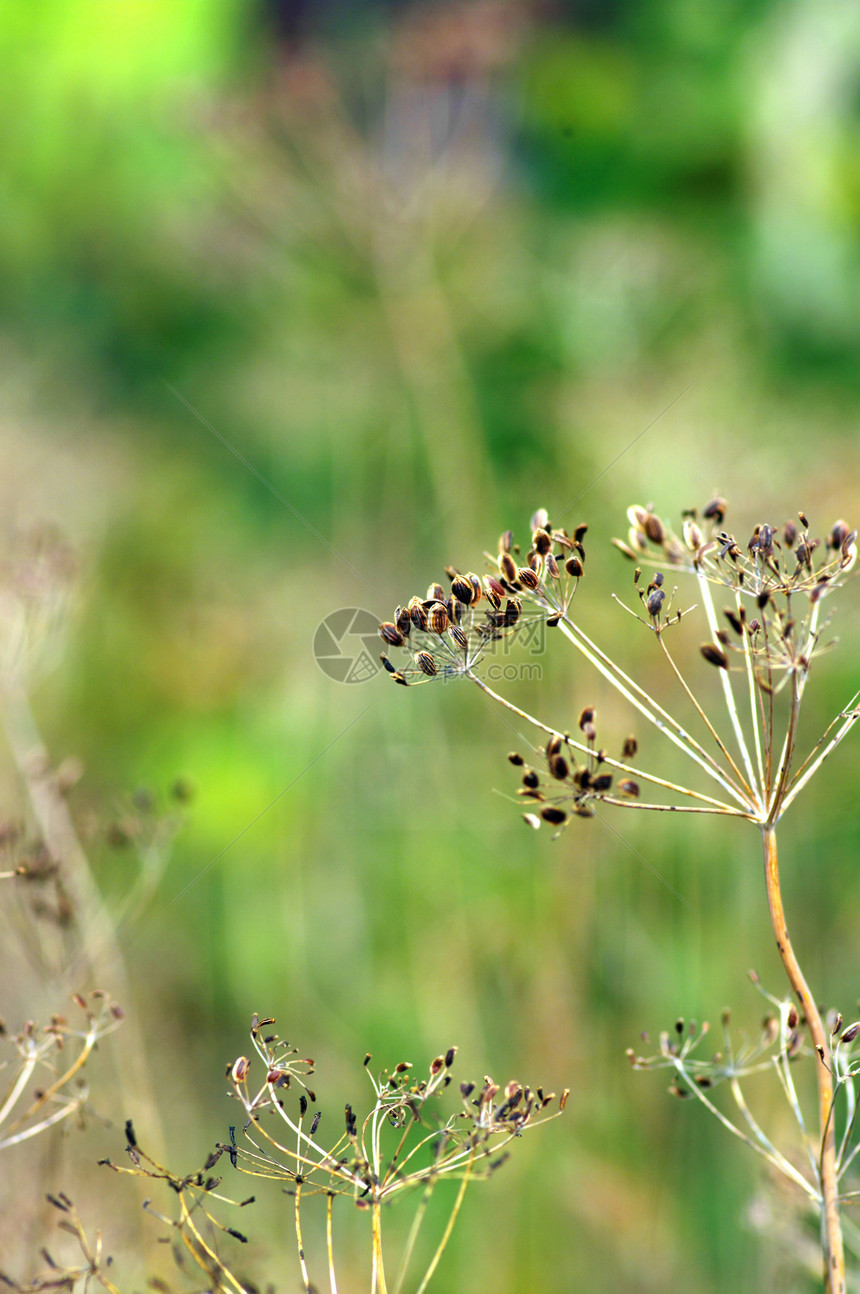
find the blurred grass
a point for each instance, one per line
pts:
(425, 270)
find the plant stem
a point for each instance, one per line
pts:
(834, 1257)
(378, 1275)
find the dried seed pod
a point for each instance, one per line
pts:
(627, 786)
(850, 1033)
(531, 820)
(435, 593)
(239, 1071)
(733, 619)
(506, 542)
(552, 621)
(654, 528)
(531, 779)
(714, 655)
(426, 663)
(417, 614)
(573, 566)
(693, 537)
(513, 611)
(716, 510)
(838, 534)
(551, 814)
(477, 588)
(558, 767)
(508, 567)
(516, 758)
(494, 587)
(553, 745)
(528, 578)
(586, 718)
(456, 634)
(789, 534)
(637, 517)
(602, 783)
(542, 541)
(403, 621)
(654, 603)
(437, 618)
(398, 678)
(540, 519)
(462, 589)
(551, 566)
(386, 664)
(629, 748)
(390, 634)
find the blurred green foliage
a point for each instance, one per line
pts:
(289, 324)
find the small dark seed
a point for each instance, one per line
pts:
(389, 633)
(426, 663)
(714, 655)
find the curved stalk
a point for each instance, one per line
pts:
(831, 1229)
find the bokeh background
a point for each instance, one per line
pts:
(301, 302)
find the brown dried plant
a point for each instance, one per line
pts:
(761, 645)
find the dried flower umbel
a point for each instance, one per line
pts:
(759, 648)
(402, 1143)
(44, 1078)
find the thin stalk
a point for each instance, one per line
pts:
(778, 1158)
(725, 680)
(745, 1138)
(377, 1282)
(718, 805)
(329, 1241)
(849, 1128)
(776, 806)
(48, 1122)
(755, 699)
(798, 684)
(299, 1241)
(801, 778)
(701, 713)
(18, 1086)
(786, 1079)
(834, 1268)
(417, 1220)
(654, 713)
(449, 1227)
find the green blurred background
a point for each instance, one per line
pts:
(300, 303)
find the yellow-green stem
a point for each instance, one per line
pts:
(834, 1256)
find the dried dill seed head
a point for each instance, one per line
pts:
(773, 561)
(445, 636)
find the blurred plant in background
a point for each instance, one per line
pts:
(299, 299)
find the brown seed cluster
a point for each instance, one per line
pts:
(775, 560)
(447, 634)
(571, 784)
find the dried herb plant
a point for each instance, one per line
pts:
(761, 645)
(403, 1144)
